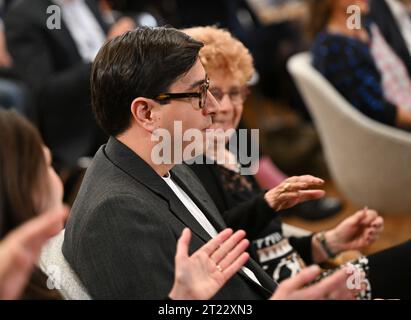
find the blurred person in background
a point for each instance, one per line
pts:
(13, 94)
(343, 55)
(52, 44)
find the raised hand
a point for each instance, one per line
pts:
(200, 276)
(20, 250)
(293, 191)
(356, 232)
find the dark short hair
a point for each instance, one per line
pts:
(143, 62)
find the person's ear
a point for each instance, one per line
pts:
(142, 113)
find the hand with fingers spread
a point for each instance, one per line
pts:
(293, 191)
(201, 275)
(356, 232)
(299, 287)
(21, 248)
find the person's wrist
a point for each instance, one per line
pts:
(177, 294)
(333, 241)
(327, 244)
(269, 200)
(174, 294)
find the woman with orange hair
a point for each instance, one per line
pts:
(229, 66)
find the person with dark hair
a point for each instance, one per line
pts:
(343, 56)
(121, 234)
(28, 185)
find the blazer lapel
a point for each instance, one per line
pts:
(185, 178)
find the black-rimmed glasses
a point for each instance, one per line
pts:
(201, 94)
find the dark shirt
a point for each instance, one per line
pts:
(347, 63)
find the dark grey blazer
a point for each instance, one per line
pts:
(122, 231)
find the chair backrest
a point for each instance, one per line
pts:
(369, 161)
(61, 276)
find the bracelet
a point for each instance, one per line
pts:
(324, 245)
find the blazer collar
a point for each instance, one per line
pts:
(189, 182)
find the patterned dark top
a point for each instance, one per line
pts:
(241, 203)
(347, 63)
(277, 255)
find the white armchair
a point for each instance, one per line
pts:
(369, 161)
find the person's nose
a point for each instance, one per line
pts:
(212, 106)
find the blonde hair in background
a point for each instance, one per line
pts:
(223, 52)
